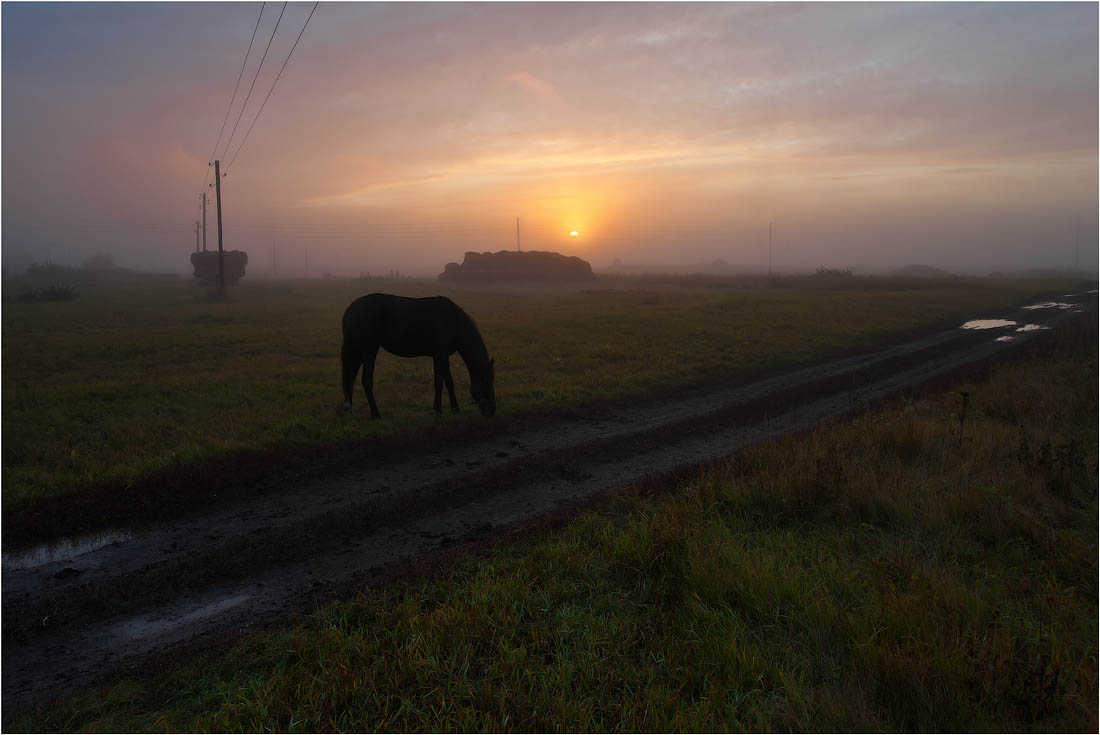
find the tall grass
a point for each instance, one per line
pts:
(130, 380)
(884, 573)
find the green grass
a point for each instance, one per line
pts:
(883, 573)
(129, 381)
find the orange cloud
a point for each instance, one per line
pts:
(533, 84)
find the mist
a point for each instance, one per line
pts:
(399, 136)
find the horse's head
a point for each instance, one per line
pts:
(481, 388)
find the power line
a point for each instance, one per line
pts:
(232, 99)
(277, 76)
(254, 78)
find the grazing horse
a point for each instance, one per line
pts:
(432, 327)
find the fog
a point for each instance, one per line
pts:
(871, 136)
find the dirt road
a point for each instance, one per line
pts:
(93, 607)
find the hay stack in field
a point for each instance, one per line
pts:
(206, 266)
(514, 265)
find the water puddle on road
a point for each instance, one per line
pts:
(1050, 305)
(144, 626)
(61, 551)
(1002, 324)
(988, 324)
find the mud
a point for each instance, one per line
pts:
(78, 612)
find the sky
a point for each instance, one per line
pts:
(400, 135)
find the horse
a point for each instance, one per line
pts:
(433, 327)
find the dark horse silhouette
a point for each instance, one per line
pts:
(432, 327)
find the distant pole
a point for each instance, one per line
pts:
(204, 221)
(518, 248)
(221, 252)
(1077, 247)
(196, 236)
(769, 250)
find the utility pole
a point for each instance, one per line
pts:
(518, 248)
(196, 236)
(1077, 247)
(204, 221)
(769, 250)
(221, 252)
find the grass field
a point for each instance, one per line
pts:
(884, 573)
(123, 383)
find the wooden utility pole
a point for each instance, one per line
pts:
(518, 248)
(769, 250)
(204, 221)
(221, 252)
(1077, 247)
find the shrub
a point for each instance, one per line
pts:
(53, 292)
(834, 272)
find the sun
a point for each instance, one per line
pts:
(574, 233)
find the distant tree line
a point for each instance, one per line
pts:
(824, 272)
(32, 281)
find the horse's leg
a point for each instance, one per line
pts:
(440, 369)
(351, 359)
(369, 356)
(449, 381)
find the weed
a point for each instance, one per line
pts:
(1060, 465)
(53, 292)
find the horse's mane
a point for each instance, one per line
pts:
(471, 346)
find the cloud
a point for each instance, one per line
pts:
(709, 112)
(363, 195)
(533, 85)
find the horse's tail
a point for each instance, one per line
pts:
(352, 358)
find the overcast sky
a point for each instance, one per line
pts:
(402, 134)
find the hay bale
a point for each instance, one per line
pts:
(514, 265)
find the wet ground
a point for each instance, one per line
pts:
(87, 608)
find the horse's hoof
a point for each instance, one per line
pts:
(347, 405)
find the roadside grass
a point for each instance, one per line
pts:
(880, 573)
(131, 381)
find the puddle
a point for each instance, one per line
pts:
(144, 626)
(1051, 305)
(214, 607)
(988, 324)
(992, 323)
(67, 549)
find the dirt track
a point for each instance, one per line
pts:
(75, 615)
